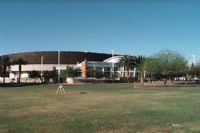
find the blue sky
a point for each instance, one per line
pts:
(128, 27)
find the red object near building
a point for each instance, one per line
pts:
(83, 68)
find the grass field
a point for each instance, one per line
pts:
(104, 108)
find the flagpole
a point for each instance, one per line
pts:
(112, 64)
(60, 89)
(41, 73)
(113, 68)
(58, 67)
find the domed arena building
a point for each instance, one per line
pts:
(51, 60)
(48, 61)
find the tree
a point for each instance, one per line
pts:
(166, 64)
(194, 71)
(69, 72)
(20, 62)
(128, 62)
(34, 74)
(51, 75)
(91, 72)
(6, 63)
(98, 74)
(140, 67)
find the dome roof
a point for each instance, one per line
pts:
(66, 57)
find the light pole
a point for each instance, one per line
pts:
(113, 68)
(41, 68)
(58, 67)
(113, 71)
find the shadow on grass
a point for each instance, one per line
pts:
(18, 84)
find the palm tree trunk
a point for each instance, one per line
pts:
(126, 73)
(141, 77)
(4, 74)
(165, 82)
(4, 80)
(20, 71)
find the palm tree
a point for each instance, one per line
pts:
(140, 67)
(20, 62)
(128, 62)
(5, 63)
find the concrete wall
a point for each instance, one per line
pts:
(39, 67)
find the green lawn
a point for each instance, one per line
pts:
(104, 108)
